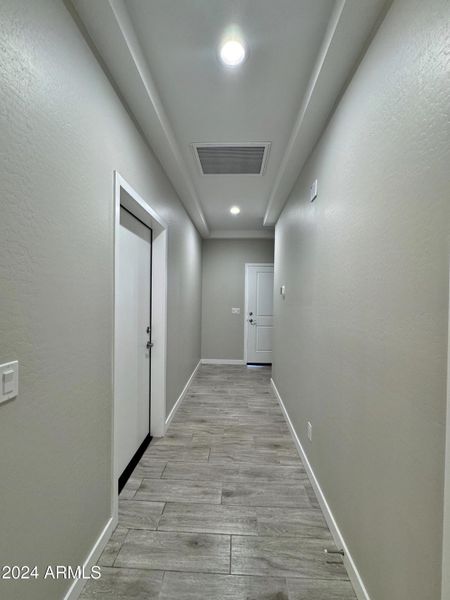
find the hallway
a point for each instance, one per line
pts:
(221, 508)
(192, 191)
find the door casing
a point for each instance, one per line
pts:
(126, 196)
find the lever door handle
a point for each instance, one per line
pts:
(252, 321)
(150, 345)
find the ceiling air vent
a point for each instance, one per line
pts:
(232, 159)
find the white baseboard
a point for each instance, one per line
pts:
(355, 577)
(176, 406)
(222, 361)
(92, 558)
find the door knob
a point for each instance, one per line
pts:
(150, 345)
(252, 321)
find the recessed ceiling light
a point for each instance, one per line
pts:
(232, 53)
(235, 210)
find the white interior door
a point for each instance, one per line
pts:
(259, 313)
(132, 404)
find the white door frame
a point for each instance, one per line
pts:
(126, 196)
(446, 523)
(247, 266)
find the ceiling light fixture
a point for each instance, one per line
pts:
(232, 53)
(235, 210)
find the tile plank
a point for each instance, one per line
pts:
(320, 589)
(283, 557)
(175, 551)
(124, 584)
(265, 494)
(200, 471)
(178, 453)
(174, 490)
(198, 586)
(302, 522)
(139, 514)
(271, 473)
(209, 518)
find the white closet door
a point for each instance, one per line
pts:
(132, 411)
(259, 318)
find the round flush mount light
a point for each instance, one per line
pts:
(235, 210)
(232, 53)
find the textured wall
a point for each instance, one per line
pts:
(62, 133)
(361, 338)
(446, 540)
(224, 287)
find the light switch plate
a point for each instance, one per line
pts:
(283, 291)
(9, 381)
(236, 311)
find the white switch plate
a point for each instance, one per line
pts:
(9, 381)
(283, 291)
(309, 431)
(236, 311)
(313, 191)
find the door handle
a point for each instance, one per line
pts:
(252, 321)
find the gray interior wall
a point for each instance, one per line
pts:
(446, 528)
(361, 339)
(223, 287)
(63, 131)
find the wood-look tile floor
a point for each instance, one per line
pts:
(221, 508)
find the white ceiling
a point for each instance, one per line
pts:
(162, 55)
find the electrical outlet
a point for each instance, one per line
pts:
(235, 311)
(309, 431)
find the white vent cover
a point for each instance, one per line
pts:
(232, 159)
